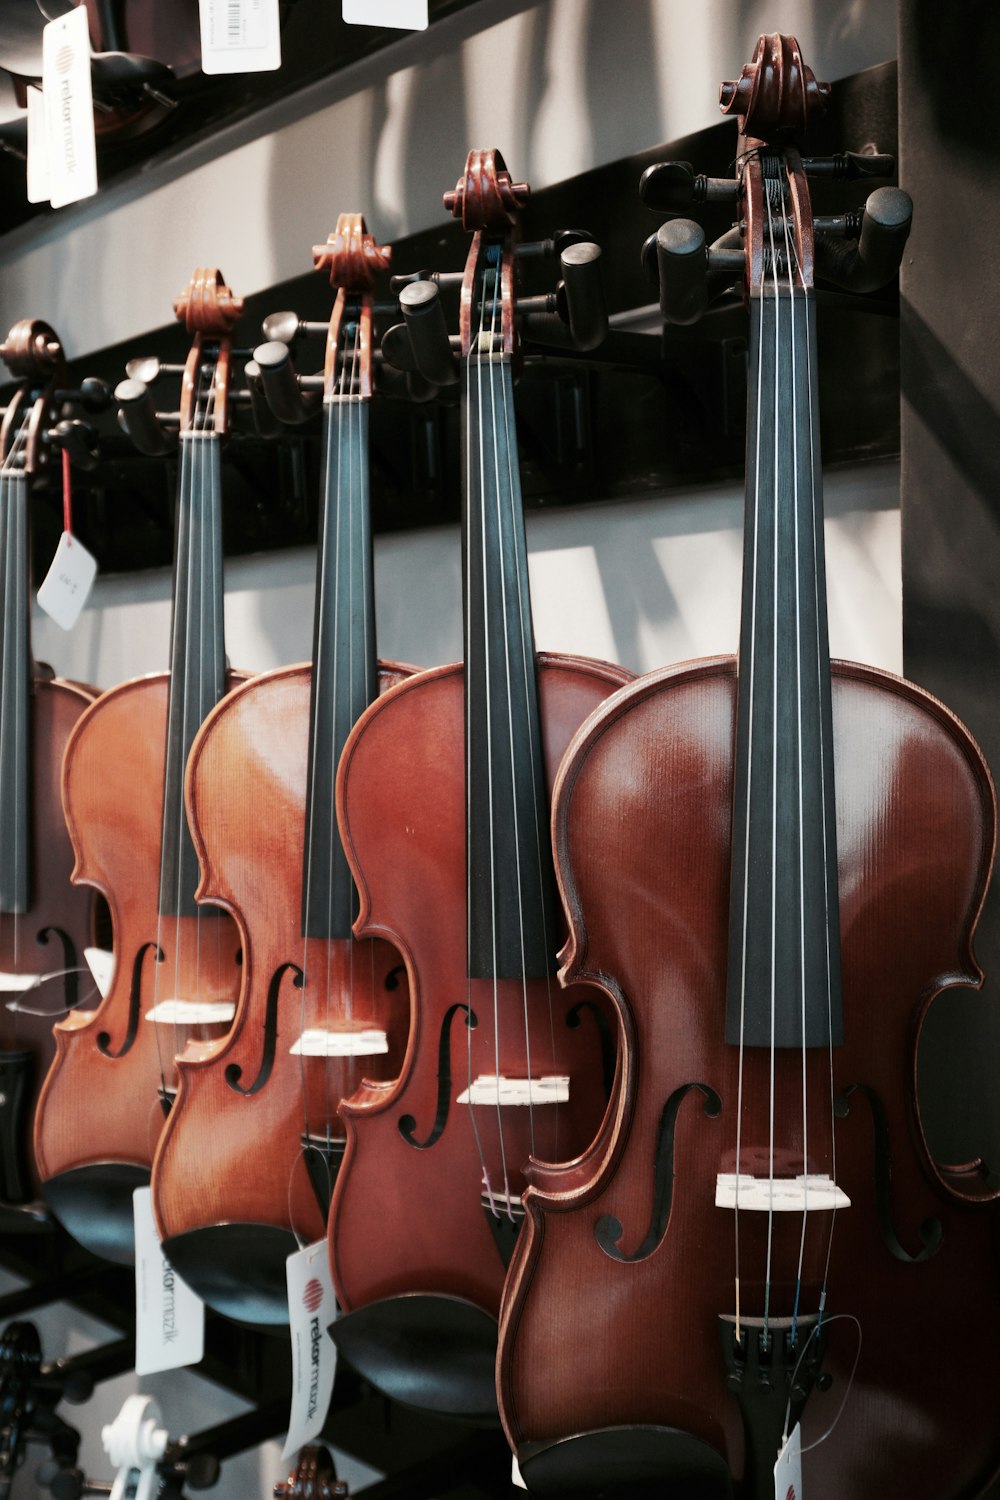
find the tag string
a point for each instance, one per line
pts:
(67, 494)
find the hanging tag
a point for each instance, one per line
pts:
(69, 107)
(515, 1473)
(66, 585)
(240, 36)
(169, 1318)
(788, 1469)
(37, 190)
(312, 1307)
(406, 15)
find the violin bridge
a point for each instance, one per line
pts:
(16, 984)
(489, 1088)
(321, 1041)
(191, 1012)
(810, 1191)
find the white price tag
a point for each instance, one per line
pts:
(65, 587)
(312, 1307)
(37, 190)
(788, 1469)
(169, 1318)
(406, 15)
(69, 108)
(240, 36)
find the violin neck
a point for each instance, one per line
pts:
(197, 655)
(784, 944)
(509, 863)
(345, 669)
(15, 689)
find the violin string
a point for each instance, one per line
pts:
(15, 564)
(495, 375)
(17, 584)
(499, 368)
(790, 264)
(776, 442)
(184, 486)
(7, 489)
(828, 854)
(476, 495)
(751, 667)
(341, 416)
(526, 664)
(358, 501)
(331, 487)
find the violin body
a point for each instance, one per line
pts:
(101, 1110)
(230, 1179)
(412, 1165)
(652, 773)
(49, 940)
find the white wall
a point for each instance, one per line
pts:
(642, 582)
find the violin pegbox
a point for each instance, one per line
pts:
(353, 261)
(773, 100)
(209, 310)
(489, 204)
(40, 413)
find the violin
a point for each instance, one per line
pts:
(442, 796)
(772, 866)
(176, 969)
(45, 925)
(247, 1160)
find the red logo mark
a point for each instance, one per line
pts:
(313, 1296)
(64, 58)
(791, 1492)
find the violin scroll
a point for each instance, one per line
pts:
(34, 354)
(351, 255)
(485, 197)
(776, 92)
(206, 305)
(32, 351)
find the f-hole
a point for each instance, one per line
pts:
(931, 1231)
(71, 979)
(234, 1072)
(134, 999)
(407, 1123)
(608, 1230)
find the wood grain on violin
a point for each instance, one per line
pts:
(176, 969)
(450, 854)
(249, 1154)
(45, 924)
(772, 870)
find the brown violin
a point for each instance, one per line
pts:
(45, 924)
(176, 966)
(443, 802)
(772, 868)
(247, 1160)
